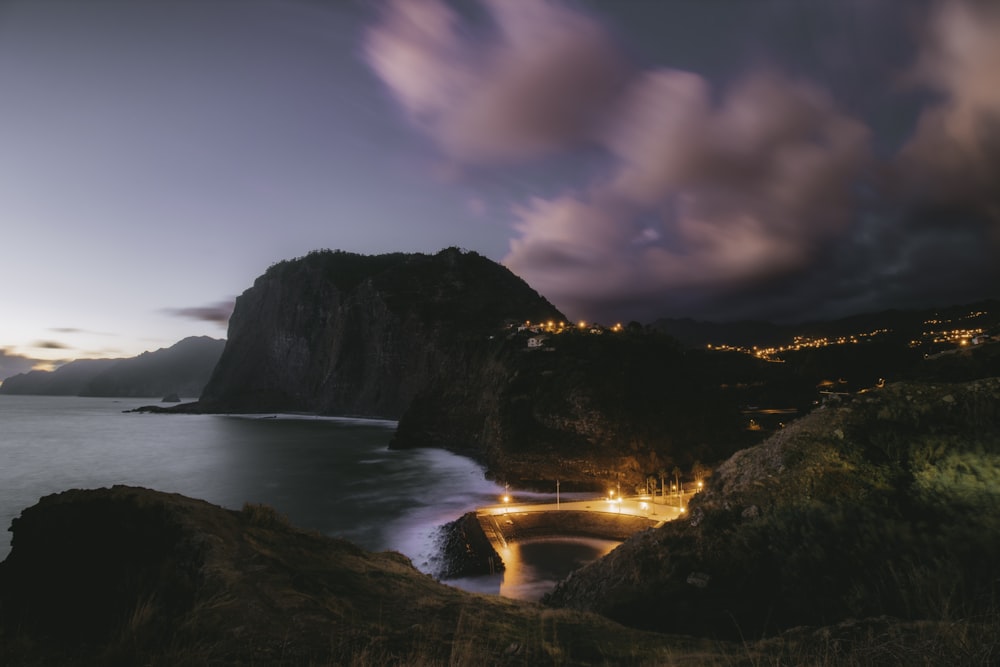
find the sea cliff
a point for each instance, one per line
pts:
(443, 344)
(345, 334)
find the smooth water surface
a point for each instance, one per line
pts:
(337, 476)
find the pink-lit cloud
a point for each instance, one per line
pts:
(543, 78)
(706, 195)
(954, 156)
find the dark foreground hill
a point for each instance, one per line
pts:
(885, 503)
(129, 576)
(182, 369)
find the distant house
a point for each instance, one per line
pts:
(535, 342)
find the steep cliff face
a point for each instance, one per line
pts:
(425, 339)
(587, 410)
(339, 333)
(884, 503)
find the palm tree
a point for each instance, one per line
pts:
(677, 481)
(700, 471)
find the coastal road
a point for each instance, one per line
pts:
(641, 506)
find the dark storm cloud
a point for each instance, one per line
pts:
(705, 196)
(49, 345)
(218, 312)
(761, 197)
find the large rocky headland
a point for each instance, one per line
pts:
(468, 357)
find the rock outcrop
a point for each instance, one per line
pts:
(884, 503)
(464, 550)
(339, 333)
(433, 341)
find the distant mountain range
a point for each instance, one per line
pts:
(182, 370)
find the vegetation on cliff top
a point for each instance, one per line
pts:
(346, 334)
(884, 504)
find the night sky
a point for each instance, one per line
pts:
(630, 159)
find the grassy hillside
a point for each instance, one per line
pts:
(887, 503)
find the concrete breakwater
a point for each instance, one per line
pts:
(501, 528)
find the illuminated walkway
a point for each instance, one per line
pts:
(641, 506)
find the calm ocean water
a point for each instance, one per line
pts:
(337, 476)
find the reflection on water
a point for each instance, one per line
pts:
(534, 566)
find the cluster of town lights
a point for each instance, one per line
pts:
(553, 327)
(955, 336)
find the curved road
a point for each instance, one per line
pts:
(642, 506)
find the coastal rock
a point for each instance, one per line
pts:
(433, 341)
(339, 333)
(464, 550)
